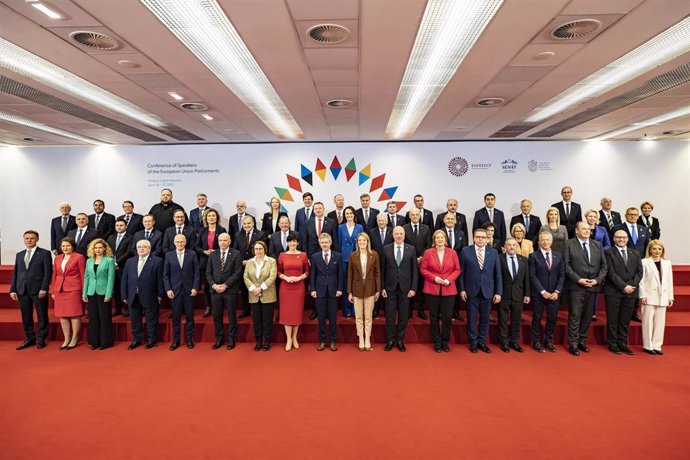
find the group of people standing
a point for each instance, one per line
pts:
(358, 260)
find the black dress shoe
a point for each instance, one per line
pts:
(257, 347)
(505, 348)
(266, 347)
(41, 343)
(473, 348)
(190, 344)
(437, 348)
(207, 312)
(133, 345)
(422, 315)
(149, 345)
(445, 347)
(93, 347)
(614, 350)
(626, 350)
(389, 346)
(549, 347)
(485, 348)
(26, 344)
(401, 346)
(312, 316)
(375, 313)
(244, 314)
(658, 352)
(538, 347)
(217, 345)
(649, 352)
(583, 347)
(231, 344)
(574, 351)
(516, 347)
(174, 345)
(456, 316)
(594, 318)
(636, 318)
(125, 313)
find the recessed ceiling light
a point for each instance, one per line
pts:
(21, 121)
(490, 102)
(175, 96)
(544, 55)
(207, 116)
(128, 64)
(48, 10)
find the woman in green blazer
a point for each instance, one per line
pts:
(260, 274)
(98, 291)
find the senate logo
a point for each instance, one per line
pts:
(532, 165)
(458, 166)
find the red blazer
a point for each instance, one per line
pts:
(431, 268)
(72, 279)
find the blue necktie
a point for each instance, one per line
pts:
(633, 234)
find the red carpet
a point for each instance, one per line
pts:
(194, 404)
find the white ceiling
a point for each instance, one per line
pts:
(367, 69)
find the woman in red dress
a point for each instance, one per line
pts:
(66, 287)
(293, 269)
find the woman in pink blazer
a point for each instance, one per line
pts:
(656, 295)
(440, 268)
(66, 287)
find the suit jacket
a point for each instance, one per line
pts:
(135, 223)
(658, 291)
(148, 285)
(432, 267)
(654, 228)
(275, 245)
(363, 285)
(375, 237)
(301, 220)
(268, 226)
(240, 243)
(574, 217)
(87, 237)
(28, 281)
(122, 252)
(515, 289)
(460, 241)
(230, 275)
(234, 225)
(576, 266)
(347, 243)
(266, 278)
(181, 280)
(426, 217)
(621, 274)
(532, 231)
(615, 216)
(406, 274)
(460, 221)
(543, 279)
(481, 216)
(169, 238)
(643, 236)
(399, 220)
(72, 278)
(156, 240)
(473, 280)
(324, 279)
(333, 215)
(601, 235)
(202, 240)
(106, 225)
(99, 282)
(56, 233)
(369, 224)
(196, 219)
(311, 241)
(422, 241)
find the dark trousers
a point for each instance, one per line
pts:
(262, 317)
(539, 304)
(619, 311)
(27, 303)
(183, 301)
(117, 292)
(244, 293)
(397, 304)
(509, 311)
(418, 299)
(100, 331)
(478, 311)
(220, 303)
(440, 306)
(327, 309)
(579, 315)
(136, 311)
(203, 261)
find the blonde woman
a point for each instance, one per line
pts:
(363, 287)
(269, 223)
(260, 274)
(656, 294)
(525, 246)
(99, 281)
(558, 231)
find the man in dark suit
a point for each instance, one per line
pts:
(317, 226)
(380, 236)
(516, 291)
(60, 227)
(277, 243)
(480, 285)
(366, 215)
(181, 279)
(179, 228)
(101, 221)
(490, 214)
(585, 271)
(224, 274)
(244, 243)
(304, 214)
(547, 274)
(399, 278)
(149, 233)
(142, 290)
(394, 219)
(82, 234)
(608, 218)
(531, 222)
(456, 241)
(133, 221)
(327, 284)
(460, 219)
(120, 243)
(418, 235)
(338, 214)
(33, 268)
(622, 281)
(236, 221)
(425, 216)
(196, 215)
(163, 212)
(571, 212)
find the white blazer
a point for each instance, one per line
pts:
(657, 293)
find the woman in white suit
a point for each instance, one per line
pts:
(656, 294)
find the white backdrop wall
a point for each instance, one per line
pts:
(34, 180)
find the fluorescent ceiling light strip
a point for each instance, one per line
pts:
(22, 62)
(674, 114)
(21, 121)
(52, 14)
(668, 45)
(448, 31)
(205, 30)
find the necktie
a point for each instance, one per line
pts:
(79, 236)
(147, 235)
(414, 229)
(451, 239)
(340, 218)
(584, 248)
(127, 217)
(248, 239)
(609, 219)
(284, 241)
(366, 215)
(27, 258)
(222, 260)
(398, 255)
(64, 223)
(567, 210)
(98, 220)
(548, 262)
(119, 240)
(514, 264)
(526, 222)
(383, 236)
(179, 230)
(307, 213)
(624, 253)
(633, 234)
(491, 215)
(240, 218)
(325, 258)
(140, 266)
(480, 259)
(179, 258)
(318, 228)
(393, 220)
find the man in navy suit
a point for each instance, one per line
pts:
(33, 268)
(531, 222)
(224, 272)
(460, 219)
(456, 241)
(326, 281)
(608, 218)
(317, 226)
(515, 274)
(181, 279)
(546, 274)
(179, 228)
(399, 278)
(236, 221)
(60, 227)
(82, 234)
(366, 215)
(150, 234)
(394, 219)
(571, 212)
(480, 286)
(304, 214)
(119, 243)
(196, 215)
(244, 243)
(277, 243)
(490, 214)
(133, 221)
(142, 290)
(380, 236)
(426, 217)
(101, 221)
(418, 236)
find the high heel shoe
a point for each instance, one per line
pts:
(295, 344)
(288, 346)
(64, 346)
(70, 347)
